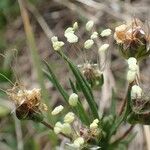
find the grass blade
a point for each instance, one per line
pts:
(79, 110)
(84, 86)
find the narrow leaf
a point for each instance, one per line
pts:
(84, 86)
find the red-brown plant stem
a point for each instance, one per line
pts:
(125, 134)
(125, 100)
(51, 127)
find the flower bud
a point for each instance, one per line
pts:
(71, 37)
(103, 48)
(132, 60)
(75, 26)
(88, 44)
(136, 92)
(133, 67)
(96, 121)
(78, 142)
(56, 44)
(54, 39)
(69, 30)
(106, 32)
(57, 110)
(131, 75)
(73, 99)
(94, 35)
(132, 64)
(89, 25)
(93, 125)
(58, 127)
(66, 128)
(69, 117)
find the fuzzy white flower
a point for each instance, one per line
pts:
(71, 37)
(69, 30)
(56, 44)
(93, 125)
(121, 28)
(131, 75)
(69, 117)
(136, 92)
(133, 67)
(103, 48)
(88, 44)
(96, 121)
(78, 142)
(94, 35)
(132, 64)
(106, 32)
(132, 60)
(57, 110)
(58, 127)
(57, 130)
(73, 99)
(89, 25)
(66, 128)
(54, 39)
(75, 26)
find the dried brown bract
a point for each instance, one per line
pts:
(28, 103)
(92, 74)
(133, 39)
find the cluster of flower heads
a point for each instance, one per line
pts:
(67, 125)
(91, 71)
(27, 102)
(71, 37)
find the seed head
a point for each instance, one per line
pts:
(28, 103)
(132, 39)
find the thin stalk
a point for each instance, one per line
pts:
(33, 49)
(124, 134)
(124, 103)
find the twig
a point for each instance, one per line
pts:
(147, 136)
(124, 101)
(51, 127)
(33, 49)
(40, 20)
(18, 134)
(125, 134)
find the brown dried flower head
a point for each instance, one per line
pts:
(133, 39)
(92, 73)
(28, 103)
(140, 110)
